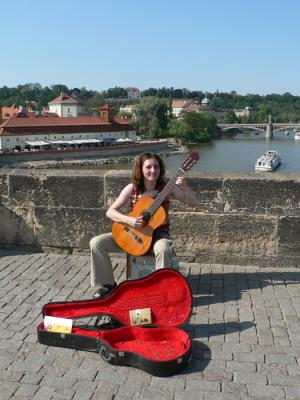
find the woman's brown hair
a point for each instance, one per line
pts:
(137, 172)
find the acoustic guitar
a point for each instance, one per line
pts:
(137, 241)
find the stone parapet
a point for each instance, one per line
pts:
(241, 218)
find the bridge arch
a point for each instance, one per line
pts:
(238, 126)
(285, 128)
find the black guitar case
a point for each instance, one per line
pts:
(160, 348)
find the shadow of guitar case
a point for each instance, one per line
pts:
(144, 330)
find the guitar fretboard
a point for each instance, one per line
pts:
(165, 192)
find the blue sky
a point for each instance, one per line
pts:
(247, 46)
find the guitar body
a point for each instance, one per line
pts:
(138, 241)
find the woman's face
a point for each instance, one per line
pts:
(151, 169)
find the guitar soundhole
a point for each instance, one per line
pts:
(146, 216)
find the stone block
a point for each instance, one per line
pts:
(274, 195)
(289, 236)
(246, 234)
(57, 189)
(237, 234)
(257, 390)
(16, 226)
(7, 390)
(208, 190)
(192, 231)
(114, 182)
(3, 186)
(69, 227)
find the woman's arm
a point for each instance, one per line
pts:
(184, 193)
(114, 214)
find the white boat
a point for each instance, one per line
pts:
(268, 161)
(297, 135)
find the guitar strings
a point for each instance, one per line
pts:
(165, 192)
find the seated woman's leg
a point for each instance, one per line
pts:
(163, 253)
(101, 267)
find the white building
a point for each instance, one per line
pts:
(133, 93)
(127, 109)
(242, 112)
(65, 106)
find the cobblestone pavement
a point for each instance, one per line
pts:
(245, 329)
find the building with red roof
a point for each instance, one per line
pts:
(199, 108)
(25, 127)
(178, 105)
(7, 112)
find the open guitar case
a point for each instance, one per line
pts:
(161, 348)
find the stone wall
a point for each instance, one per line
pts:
(241, 219)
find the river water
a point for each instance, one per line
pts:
(236, 154)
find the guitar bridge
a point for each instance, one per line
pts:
(133, 235)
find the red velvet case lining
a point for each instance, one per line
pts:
(165, 292)
(160, 344)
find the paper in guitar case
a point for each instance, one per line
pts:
(148, 313)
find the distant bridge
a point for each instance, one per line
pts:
(268, 128)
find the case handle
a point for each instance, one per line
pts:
(103, 354)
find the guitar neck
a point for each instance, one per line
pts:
(167, 190)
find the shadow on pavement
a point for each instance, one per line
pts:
(200, 359)
(216, 288)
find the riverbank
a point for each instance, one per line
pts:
(93, 157)
(68, 164)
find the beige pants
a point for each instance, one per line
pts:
(101, 267)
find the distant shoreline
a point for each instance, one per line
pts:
(90, 159)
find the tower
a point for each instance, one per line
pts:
(106, 113)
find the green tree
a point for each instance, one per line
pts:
(58, 89)
(194, 127)
(91, 105)
(152, 117)
(116, 92)
(43, 97)
(149, 92)
(181, 130)
(230, 118)
(155, 130)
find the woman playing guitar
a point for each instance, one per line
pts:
(147, 181)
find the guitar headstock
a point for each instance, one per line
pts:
(190, 161)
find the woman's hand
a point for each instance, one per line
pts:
(181, 182)
(184, 193)
(136, 222)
